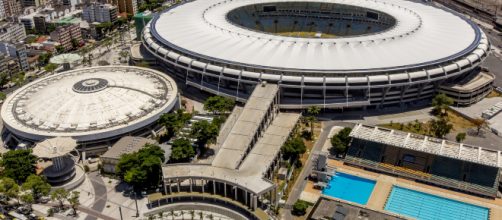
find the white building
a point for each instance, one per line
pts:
(100, 13)
(10, 31)
(2, 10)
(18, 51)
(95, 106)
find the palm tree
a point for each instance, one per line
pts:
(312, 111)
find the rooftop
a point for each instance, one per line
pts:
(126, 145)
(423, 35)
(250, 174)
(89, 103)
(428, 145)
(245, 128)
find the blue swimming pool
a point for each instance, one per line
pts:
(350, 188)
(424, 206)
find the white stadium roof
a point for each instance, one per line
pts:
(423, 35)
(89, 104)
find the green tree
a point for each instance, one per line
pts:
(143, 64)
(311, 118)
(103, 63)
(440, 127)
(74, 201)
(60, 49)
(38, 186)
(27, 198)
(182, 150)
(60, 195)
(219, 104)
(75, 43)
(300, 208)
(205, 132)
(293, 148)
(2, 96)
(9, 188)
(44, 58)
(50, 67)
(18, 164)
(440, 103)
(343, 135)
(337, 145)
(460, 137)
(340, 141)
(174, 121)
(142, 168)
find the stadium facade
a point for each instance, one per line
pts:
(332, 54)
(92, 105)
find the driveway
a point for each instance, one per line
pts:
(100, 194)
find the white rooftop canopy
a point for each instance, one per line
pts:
(429, 145)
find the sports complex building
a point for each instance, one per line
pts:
(95, 106)
(444, 163)
(332, 54)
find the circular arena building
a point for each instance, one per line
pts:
(92, 105)
(328, 53)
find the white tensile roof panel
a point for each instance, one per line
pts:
(422, 34)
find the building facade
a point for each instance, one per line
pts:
(372, 61)
(100, 13)
(8, 65)
(40, 23)
(67, 35)
(10, 31)
(12, 8)
(17, 51)
(33, 3)
(127, 6)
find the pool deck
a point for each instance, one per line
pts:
(384, 185)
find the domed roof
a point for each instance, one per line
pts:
(89, 103)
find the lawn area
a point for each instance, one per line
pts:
(460, 124)
(494, 93)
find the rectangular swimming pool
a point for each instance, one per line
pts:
(350, 188)
(424, 206)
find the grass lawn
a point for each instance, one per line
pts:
(494, 93)
(460, 124)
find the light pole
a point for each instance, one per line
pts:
(136, 202)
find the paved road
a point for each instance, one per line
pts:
(93, 214)
(307, 168)
(100, 194)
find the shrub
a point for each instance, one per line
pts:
(460, 137)
(300, 208)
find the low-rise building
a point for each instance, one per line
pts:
(11, 31)
(8, 65)
(100, 13)
(125, 145)
(17, 51)
(67, 35)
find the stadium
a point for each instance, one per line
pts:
(331, 54)
(92, 105)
